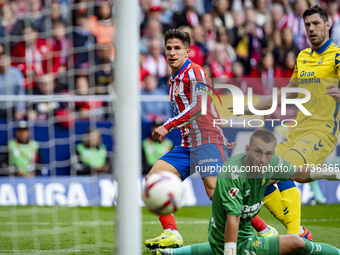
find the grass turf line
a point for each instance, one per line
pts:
(19, 234)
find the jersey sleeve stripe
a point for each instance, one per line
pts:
(335, 115)
(193, 77)
(336, 111)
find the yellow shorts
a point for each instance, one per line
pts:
(310, 148)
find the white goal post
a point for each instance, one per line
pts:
(127, 128)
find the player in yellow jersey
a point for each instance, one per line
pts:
(317, 69)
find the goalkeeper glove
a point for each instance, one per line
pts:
(331, 174)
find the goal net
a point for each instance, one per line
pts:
(57, 114)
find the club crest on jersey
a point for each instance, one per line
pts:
(258, 243)
(304, 61)
(321, 60)
(233, 192)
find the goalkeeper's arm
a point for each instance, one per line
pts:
(230, 234)
(309, 174)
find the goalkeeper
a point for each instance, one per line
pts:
(237, 199)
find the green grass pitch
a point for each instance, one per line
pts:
(90, 230)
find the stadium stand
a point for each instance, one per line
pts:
(65, 51)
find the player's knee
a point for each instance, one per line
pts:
(292, 244)
(151, 172)
(298, 244)
(279, 217)
(209, 189)
(210, 193)
(210, 184)
(161, 165)
(147, 176)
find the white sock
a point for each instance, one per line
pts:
(172, 231)
(265, 231)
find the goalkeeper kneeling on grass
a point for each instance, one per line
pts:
(237, 199)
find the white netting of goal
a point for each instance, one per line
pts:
(56, 123)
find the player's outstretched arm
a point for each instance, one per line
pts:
(267, 103)
(192, 111)
(333, 91)
(230, 234)
(309, 174)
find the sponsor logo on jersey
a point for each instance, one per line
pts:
(306, 74)
(308, 80)
(308, 77)
(250, 210)
(208, 160)
(233, 192)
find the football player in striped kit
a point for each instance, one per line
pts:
(204, 146)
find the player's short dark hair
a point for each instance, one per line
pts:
(316, 9)
(174, 33)
(264, 134)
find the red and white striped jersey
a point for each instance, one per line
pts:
(186, 100)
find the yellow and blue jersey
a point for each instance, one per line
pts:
(314, 71)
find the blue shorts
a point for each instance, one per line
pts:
(206, 159)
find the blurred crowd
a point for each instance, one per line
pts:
(55, 47)
(249, 43)
(66, 47)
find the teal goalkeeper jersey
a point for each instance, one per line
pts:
(240, 194)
